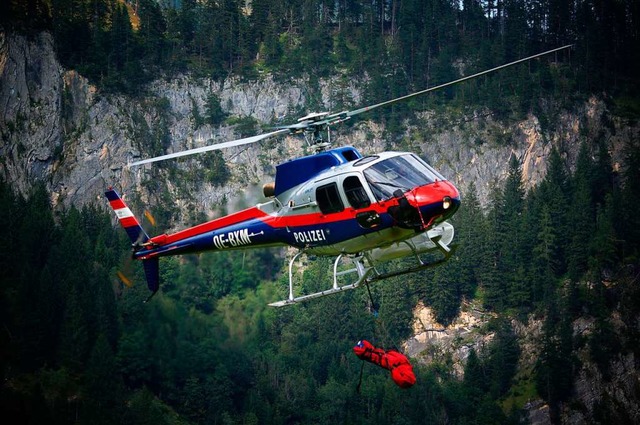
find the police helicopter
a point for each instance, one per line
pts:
(361, 210)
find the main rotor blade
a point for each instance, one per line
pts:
(389, 102)
(229, 144)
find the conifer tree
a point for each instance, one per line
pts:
(604, 241)
(444, 295)
(10, 210)
(475, 379)
(103, 386)
(502, 359)
(603, 179)
(74, 342)
(556, 193)
(555, 365)
(183, 29)
(72, 29)
(513, 236)
(31, 292)
(470, 228)
(581, 216)
(153, 28)
(560, 22)
(544, 262)
(630, 226)
(515, 28)
(493, 280)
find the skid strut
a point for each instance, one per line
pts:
(364, 267)
(362, 270)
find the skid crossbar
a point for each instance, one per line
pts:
(365, 269)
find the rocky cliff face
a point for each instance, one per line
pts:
(59, 129)
(614, 396)
(31, 88)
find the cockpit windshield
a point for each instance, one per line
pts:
(403, 172)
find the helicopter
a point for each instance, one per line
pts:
(361, 210)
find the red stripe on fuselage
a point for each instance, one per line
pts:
(239, 217)
(319, 218)
(423, 196)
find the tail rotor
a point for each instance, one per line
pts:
(138, 237)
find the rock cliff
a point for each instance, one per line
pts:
(58, 128)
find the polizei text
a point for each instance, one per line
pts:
(310, 236)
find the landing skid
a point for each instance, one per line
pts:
(364, 266)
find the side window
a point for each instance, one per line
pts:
(356, 194)
(328, 199)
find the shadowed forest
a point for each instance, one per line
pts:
(397, 45)
(78, 346)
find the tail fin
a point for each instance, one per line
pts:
(137, 235)
(152, 273)
(127, 219)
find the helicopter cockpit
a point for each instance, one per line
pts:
(355, 183)
(403, 172)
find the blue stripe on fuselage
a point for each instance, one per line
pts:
(332, 233)
(249, 234)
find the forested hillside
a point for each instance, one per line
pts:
(398, 44)
(79, 346)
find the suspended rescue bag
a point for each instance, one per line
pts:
(396, 362)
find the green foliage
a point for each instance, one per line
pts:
(493, 278)
(217, 172)
(556, 364)
(554, 190)
(198, 120)
(214, 115)
(629, 226)
(243, 126)
(153, 138)
(121, 46)
(582, 216)
(60, 305)
(207, 349)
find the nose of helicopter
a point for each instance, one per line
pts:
(439, 198)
